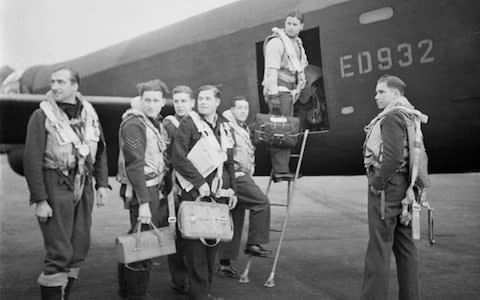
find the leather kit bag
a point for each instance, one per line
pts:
(205, 220)
(142, 245)
(277, 131)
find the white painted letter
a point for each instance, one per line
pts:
(344, 66)
(361, 68)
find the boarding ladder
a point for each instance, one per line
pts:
(291, 185)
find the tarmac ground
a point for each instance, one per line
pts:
(322, 256)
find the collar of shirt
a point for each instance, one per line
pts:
(214, 123)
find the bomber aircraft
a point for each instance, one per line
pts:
(432, 44)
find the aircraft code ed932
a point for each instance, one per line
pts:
(404, 55)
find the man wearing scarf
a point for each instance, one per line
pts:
(386, 159)
(64, 150)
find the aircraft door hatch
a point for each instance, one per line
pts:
(311, 107)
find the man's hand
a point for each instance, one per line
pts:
(43, 211)
(232, 202)
(204, 190)
(101, 196)
(144, 213)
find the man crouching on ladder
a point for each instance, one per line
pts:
(249, 194)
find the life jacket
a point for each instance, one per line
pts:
(70, 143)
(292, 65)
(417, 156)
(214, 158)
(244, 151)
(156, 144)
(65, 145)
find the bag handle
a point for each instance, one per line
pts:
(217, 241)
(138, 231)
(211, 198)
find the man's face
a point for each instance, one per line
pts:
(152, 103)
(293, 26)
(240, 110)
(207, 103)
(61, 86)
(182, 103)
(385, 95)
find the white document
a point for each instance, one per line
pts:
(205, 156)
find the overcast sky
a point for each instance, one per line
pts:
(48, 31)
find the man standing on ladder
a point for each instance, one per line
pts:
(249, 194)
(284, 79)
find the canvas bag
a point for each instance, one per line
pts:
(205, 220)
(277, 131)
(142, 245)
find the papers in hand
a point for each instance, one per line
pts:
(205, 156)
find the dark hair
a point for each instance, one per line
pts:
(182, 89)
(296, 14)
(393, 82)
(208, 87)
(152, 85)
(74, 76)
(238, 98)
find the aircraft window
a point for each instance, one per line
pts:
(376, 15)
(347, 110)
(311, 107)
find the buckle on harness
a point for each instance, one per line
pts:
(172, 219)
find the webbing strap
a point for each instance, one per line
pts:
(291, 53)
(65, 131)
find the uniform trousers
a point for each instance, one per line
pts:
(66, 234)
(387, 235)
(200, 260)
(252, 198)
(282, 105)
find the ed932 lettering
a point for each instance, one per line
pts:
(383, 59)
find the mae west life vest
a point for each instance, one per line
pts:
(208, 155)
(69, 143)
(373, 146)
(65, 146)
(156, 144)
(244, 151)
(417, 157)
(292, 65)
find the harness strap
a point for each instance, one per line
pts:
(65, 133)
(291, 53)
